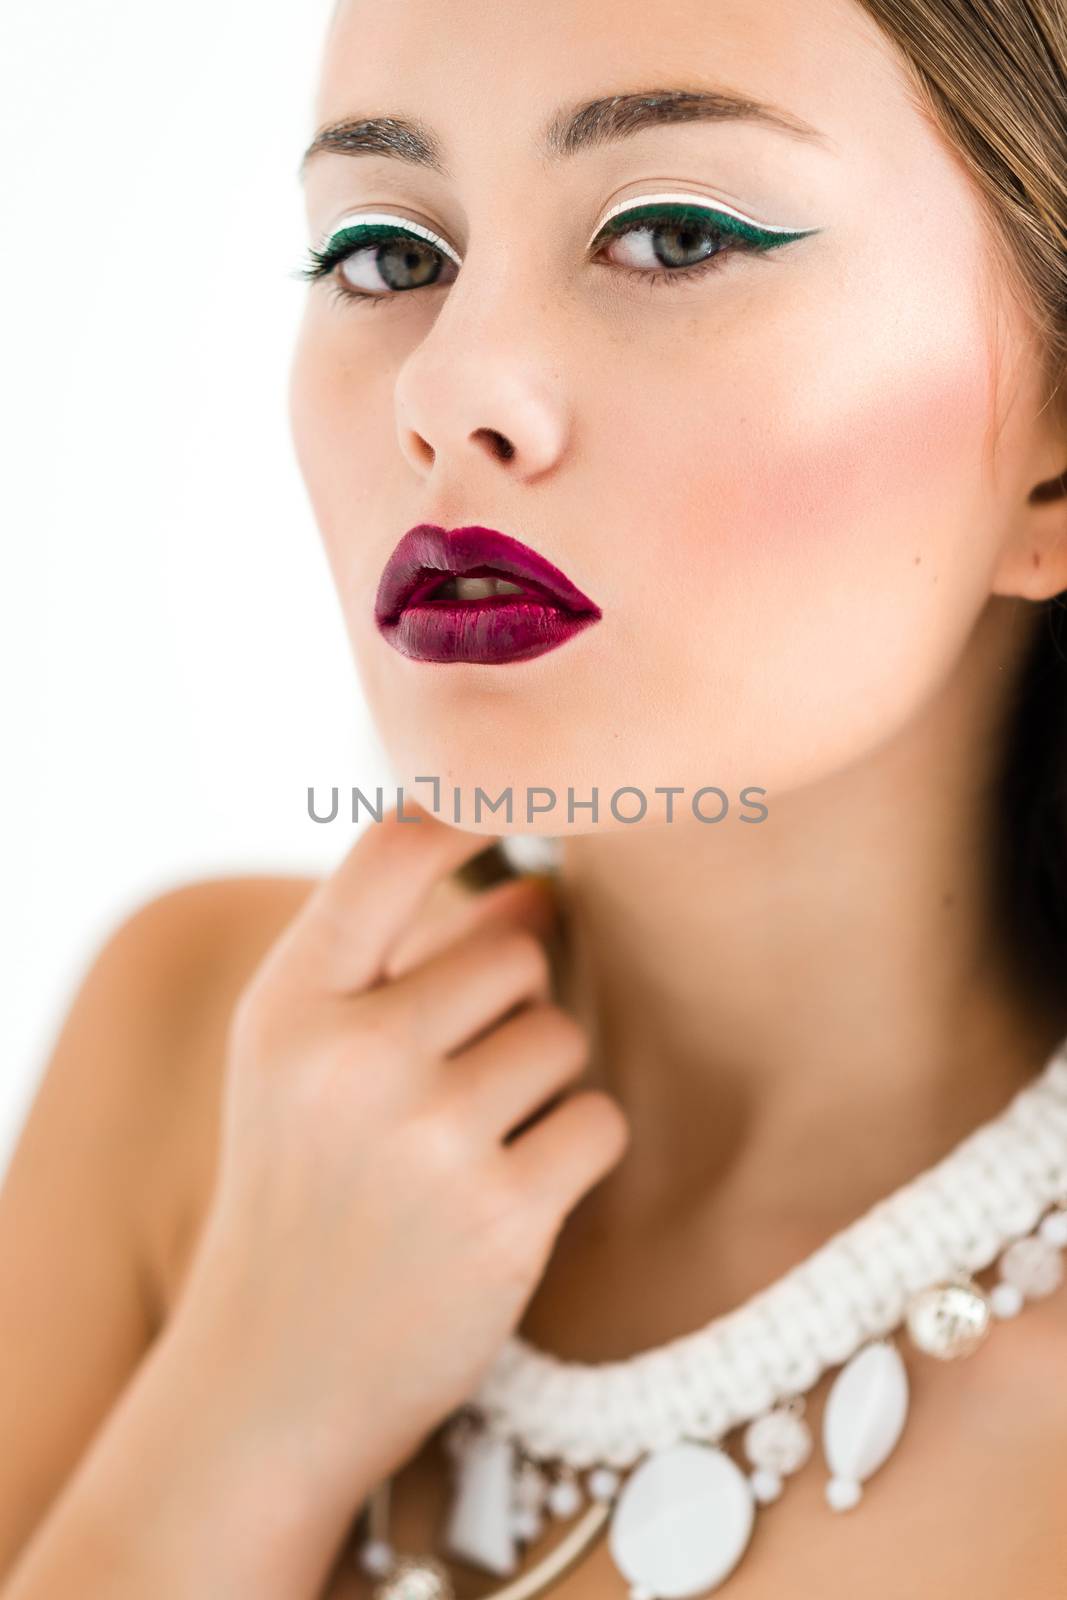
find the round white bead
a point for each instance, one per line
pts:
(780, 1441)
(532, 852)
(1033, 1265)
(842, 1494)
(1053, 1229)
(418, 1578)
(766, 1485)
(1006, 1300)
(527, 1522)
(602, 1483)
(564, 1498)
(682, 1521)
(376, 1557)
(948, 1319)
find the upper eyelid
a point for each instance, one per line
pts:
(393, 219)
(713, 208)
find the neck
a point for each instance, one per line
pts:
(798, 1015)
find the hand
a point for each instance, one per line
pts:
(381, 1216)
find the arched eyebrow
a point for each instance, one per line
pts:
(569, 131)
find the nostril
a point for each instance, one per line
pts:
(420, 449)
(501, 447)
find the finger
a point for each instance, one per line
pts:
(527, 902)
(341, 937)
(505, 1077)
(566, 1152)
(457, 995)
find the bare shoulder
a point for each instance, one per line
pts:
(131, 1093)
(110, 1165)
(186, 956)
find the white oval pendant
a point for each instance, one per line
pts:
(682, 1521)
(864, 1416)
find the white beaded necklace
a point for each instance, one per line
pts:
(681, 1519)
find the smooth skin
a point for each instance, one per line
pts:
(377, 1072)
(826, 461)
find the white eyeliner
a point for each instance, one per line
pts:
(405, 225)
(711, 207)
(394, 220)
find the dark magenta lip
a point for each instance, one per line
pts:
(499, 628)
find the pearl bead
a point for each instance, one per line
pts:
(1033, 1265)
(1005, 1300)
(1053, 1229)
(602, 1483)
(376, 1557)
(842, 1494)
(948, 1319)
(418, 1578)
(527, 1523)
(779, 1441)
(766, 1485)
(564, 1498)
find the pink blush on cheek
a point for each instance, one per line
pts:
(903, 459)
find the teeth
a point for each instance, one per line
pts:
(480, 588)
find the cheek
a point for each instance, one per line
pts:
(332, 392)
(847, 411)
(819, 527)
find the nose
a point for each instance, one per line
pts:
(482, 388)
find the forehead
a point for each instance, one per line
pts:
(498, 69)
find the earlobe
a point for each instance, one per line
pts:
(1033, 562)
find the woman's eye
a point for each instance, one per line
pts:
(374, 261)
(398, 263)
(659, 242)
(670, 245)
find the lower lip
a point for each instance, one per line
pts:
(495, 630)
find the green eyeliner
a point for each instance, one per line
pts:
(362, 235)
(664, 210)
(666, 214)
(343, 242)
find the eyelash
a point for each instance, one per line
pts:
(733, 235)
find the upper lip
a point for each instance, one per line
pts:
(428, 552)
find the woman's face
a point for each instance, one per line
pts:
(774, 477)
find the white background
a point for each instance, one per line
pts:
(175, 667)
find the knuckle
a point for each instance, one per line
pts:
(509, 1222)
(381, 1030)
(438, 1142)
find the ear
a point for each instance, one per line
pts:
(1033, 562)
